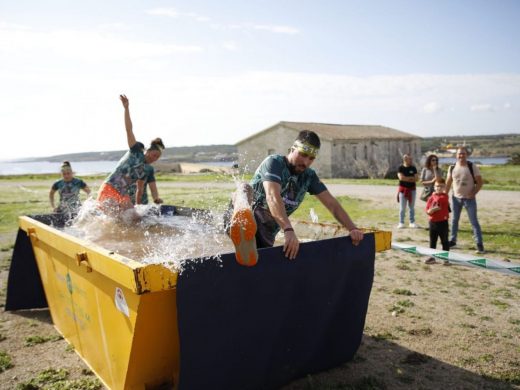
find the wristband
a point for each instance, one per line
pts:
(289, 229)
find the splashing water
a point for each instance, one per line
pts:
(313, 215)
(156, 239)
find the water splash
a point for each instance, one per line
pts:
(156, 239)
(313, 215)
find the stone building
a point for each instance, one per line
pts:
(346, 150)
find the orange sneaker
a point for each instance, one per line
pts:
(242, 232)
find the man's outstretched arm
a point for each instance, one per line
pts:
(277, 209)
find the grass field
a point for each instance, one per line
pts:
(454, 327)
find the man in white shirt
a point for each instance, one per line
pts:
(466, 181)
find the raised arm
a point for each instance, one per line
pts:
(277, 209)
(332, 204)
(128, 122)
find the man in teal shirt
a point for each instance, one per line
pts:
(276, 190)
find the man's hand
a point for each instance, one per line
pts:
(291, 245)
(356, 235)
(124, 100)
(157, 200)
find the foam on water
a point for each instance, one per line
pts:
(156, 239)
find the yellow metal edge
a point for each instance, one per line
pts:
(137, 277)
(383, 238)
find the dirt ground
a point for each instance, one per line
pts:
(427, 327)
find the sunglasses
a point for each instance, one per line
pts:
(434, 159)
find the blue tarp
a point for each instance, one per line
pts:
(261, 327)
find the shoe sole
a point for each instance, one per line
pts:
(242, 232)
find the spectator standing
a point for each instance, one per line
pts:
(429, 174)
(465, 179)
(407, 174)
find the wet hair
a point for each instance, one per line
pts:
(428, 162)
(65, 165)
(156, 144)
(309, 137)
(463, 148)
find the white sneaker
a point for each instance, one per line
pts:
(413, 226)
(400, 226)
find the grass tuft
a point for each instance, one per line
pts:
(402, 291)
(33, 340)
(5, 361)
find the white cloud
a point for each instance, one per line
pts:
(230, 45)
(13, 26)
(170, 12)
(92, 46)
(432, 108)
(277, 29)
(482, 108)
(173, 13)
(188, 109)
(507, 106)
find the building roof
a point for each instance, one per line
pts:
(331, 132)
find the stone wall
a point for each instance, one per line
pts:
(370, 158)
(341, 158)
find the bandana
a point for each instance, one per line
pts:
(66, 168)
(306, 148)
(156, 147)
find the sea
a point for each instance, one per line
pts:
(477, 160)
(80, 168)
(98, 167)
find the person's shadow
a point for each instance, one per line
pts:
(382, 364)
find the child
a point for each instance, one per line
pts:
(68, 188)
(438, 209)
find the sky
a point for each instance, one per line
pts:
(203, 72)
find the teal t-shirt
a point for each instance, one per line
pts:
(69, 194)
(150, 177)
(275, 168)
(128, 170)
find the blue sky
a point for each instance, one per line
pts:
(206, 72)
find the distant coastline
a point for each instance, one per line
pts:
(84, 168)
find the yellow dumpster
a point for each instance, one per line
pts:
(216, 325)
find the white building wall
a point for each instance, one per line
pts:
(253, 151)
(340, 158)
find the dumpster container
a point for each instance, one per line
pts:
(215, 325)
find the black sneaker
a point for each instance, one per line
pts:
(453, 244)
(480, 249)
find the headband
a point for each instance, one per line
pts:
(156, 147)
(306, 148)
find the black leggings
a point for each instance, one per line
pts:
(439, 229)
